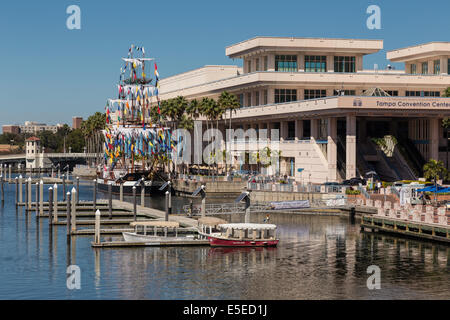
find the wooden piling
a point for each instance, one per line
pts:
(9, 174)
(142, 194)
(97, 227)
(166, 217)
(64, 187)
(2, 190)
(20, 189)
(50, 206)
(16, 180)
(110, 200)
(37, 199)
(169, 189)
(134, 204)
(78, 189)
(121, 191)
(94, 199)
(41, 198)
(55, 201)
(73, 214)
(68, 217)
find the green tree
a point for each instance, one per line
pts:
(434, 170)
(228, 101)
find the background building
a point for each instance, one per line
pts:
(331, 112)
(76, 122)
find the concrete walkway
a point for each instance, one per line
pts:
(154, 213)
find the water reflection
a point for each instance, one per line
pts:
(319, 257)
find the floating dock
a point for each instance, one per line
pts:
(403, 227)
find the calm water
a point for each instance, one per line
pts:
(319, 257)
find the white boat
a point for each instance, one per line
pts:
(157, 232)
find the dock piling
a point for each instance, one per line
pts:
(78, 188)
(134, 203)
(74, 210)
(41, 198)
(68, 216)
(97, 227)
(110, 200)
(166, 217)
(30, 200)
(55, 201)
(36, 205)
(9, 174)
(121, 191)
(20, 189)
(94, 200)
(64, 187)
(50, 206)
(169, 187)
(142, 194)
(3, 191)
(16, 180)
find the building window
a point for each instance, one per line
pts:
(392, 93)
(286, 63)
(448, 66)
(423, 94)
(285, 95)
(249, 99)
(315, 64)
(424, 67)
(344, 93)
(315, 94)
(266, 64)
(431, 94)
(291, 130)
(241, 99)
(257, 98)
(257, 65)
(265, 99)
(344, 64)
(413, 68)
(437, 66)
(249, 66)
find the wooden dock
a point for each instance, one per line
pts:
(408, 228)
(167, 243)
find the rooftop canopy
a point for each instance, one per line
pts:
(248, 226)
(422, 51)
(319, 45)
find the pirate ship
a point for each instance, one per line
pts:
(137, 147)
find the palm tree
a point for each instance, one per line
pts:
(228, 101)
(434, 170)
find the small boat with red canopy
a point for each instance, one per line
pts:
(244, 235)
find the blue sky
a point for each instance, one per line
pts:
(50, 73)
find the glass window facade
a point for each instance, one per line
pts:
(249, 99)
(291, 130)
(249, 66)
(346, 92)
(392, 93)
(315, 94)
(315, 64)
(285, 95)
(286, 63)
(413, 68)
(344, 64)
(265, 97)
(423, 94)
(257, 98)
(424, 67)
(257, 65)
(266, 63)
(437, 66)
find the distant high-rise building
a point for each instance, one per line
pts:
(76, 122)
(15, 129)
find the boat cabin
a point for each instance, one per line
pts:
(253, 231)
(153, 227)
(208, 225)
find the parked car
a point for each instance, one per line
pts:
(354, 182)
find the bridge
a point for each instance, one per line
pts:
(46, 160)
